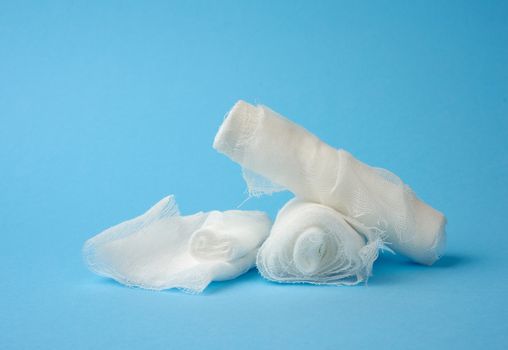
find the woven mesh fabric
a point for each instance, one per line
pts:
(313, 243)
(286, 156)
(162, 249)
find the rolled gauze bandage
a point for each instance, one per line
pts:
(313, 243)
(161, 249)
(278, 154)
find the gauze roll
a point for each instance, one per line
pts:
(276, 154)
(161, 249)
(313, 243)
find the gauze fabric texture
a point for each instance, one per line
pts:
(276, 154)
(162, 249)
(314, 243)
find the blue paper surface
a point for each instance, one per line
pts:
(108, 106)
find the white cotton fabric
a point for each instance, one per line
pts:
(278, 154)
(313, 243)
(162, 249)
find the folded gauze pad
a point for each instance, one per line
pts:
(161, 249)
(278, 154)
(314, 243)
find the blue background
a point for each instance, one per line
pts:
(107, 106)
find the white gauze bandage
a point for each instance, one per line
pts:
(275, 154)
(314, 243)
(161, 249)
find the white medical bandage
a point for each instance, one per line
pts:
(161, 249)
(313, 243)
(272, 149)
